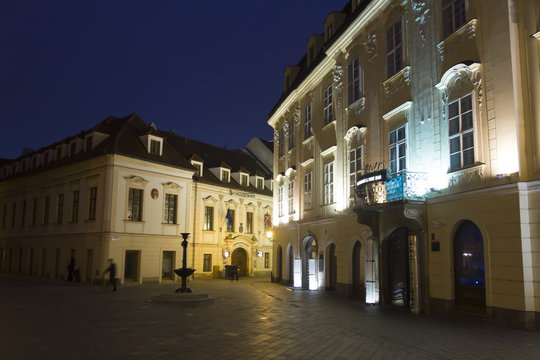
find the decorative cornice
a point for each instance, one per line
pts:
(397, 81)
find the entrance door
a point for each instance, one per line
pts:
(279, 269)
(469, 275)
(167, 265)
(239, 257)
(398, 268)
(357, 284)
(309, 264)
(131, 265)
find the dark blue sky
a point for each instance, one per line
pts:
(210, 70)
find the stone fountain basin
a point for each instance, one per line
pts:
(184, 272)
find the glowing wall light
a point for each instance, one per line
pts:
(507, 162)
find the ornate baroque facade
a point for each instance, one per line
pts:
(406, 159)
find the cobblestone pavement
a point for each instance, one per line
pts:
(250, 319)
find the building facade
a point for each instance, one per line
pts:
(405, 158)
(125, 190)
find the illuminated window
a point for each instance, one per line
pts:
(291, 134)
(280, 200)
(208, 218)
(92, 204)
(170, 208)
(244, 180)
(327, 105)
(461, 132)
(397, 149)
(135, 204)
(307, 191)
(356, 165)
(307, 122)
(453, 16)
(354, 81)
(249, 222)
(329, 183)
(291, 197)
(266, 260)
(260, 183)
(225, 175)
(394, 48)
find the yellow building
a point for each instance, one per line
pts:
(125, 190)
(405, 161)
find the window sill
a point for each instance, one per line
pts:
(333, 122)
(134, 221)
(358, 106)
(305, 141)
(170, 224)
(466, 168)
(208, 231)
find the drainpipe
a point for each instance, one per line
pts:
(194, 225)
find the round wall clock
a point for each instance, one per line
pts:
(154, 193)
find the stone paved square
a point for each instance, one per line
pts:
(250, 319)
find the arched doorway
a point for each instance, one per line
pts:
(239, 257)
(469, 276)
(309, 264)
(357, 283)
(279, 269)
(397, 260)
(332, 267)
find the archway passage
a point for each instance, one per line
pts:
(332, 267)
(357, 284)
(470, 282)
(279, 269)
(309, 265)
(398, 267)
(239, 257)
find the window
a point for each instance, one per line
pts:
(75, 206)
(291, 197)
(155, 147)
(225, 175)
(46, 207)
(34, 212)
(281, 143)
(73, 149)
(329, 183)
(397, 149)
(14, 212)
(208, 218)
(307, 122)
(199, 168)
(92, 204)
(307, 190)
(23, 213)
(356, 165)
(260, 183)
(291, 134)
(453, 16)
(59, 154)
(88, 143)
(394, 49)
(59, 208)
(244, 180)
(230, 220)
(249, 222)
(280, 200)
(354, 81)
(170, 208)
(135, 204)
(461, 132)
(266, 260)
(207, 262)
(327, 105)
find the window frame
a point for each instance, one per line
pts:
(308, 131)
(354, 170)
(75, 196)
(132, 207)
(328, 115)
(395, 48)
(308, 187)
(354, 81)
(249, 222)
(291, 134)
(460, 133)
(281, 194)
(398, 152)
(452, 16)
(328, 183)
(92, 203)
(208, 224)
(290, 197)
(170, 211)
(230, 227)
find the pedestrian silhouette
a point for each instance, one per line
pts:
(71, 269)
(112, 273)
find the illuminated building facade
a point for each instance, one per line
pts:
(125, 190)
(406, 162)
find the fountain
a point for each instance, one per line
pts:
(184, 271)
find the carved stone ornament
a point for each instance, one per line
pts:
(411, 213)
(440, 47)
(371, 47)
(399, 80)
(471, 29)
(286, 128)
(358, 106)
(136, 180)
(276, 136)
(460, 77)
(338, 84)
(354, 131)
(296, 115)
(467, 176)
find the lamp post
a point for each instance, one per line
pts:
(184, 272)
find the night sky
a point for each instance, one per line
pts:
(210, 70)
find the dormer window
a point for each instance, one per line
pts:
(73, 149)
(259, 183)
(329, 31)
(155, 147)
(244, 180)
(199, 166)
(225, 175)
(58, 153)
(88, 143)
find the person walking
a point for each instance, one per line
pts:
(112, 273)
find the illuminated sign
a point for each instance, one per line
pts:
(380, 175)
